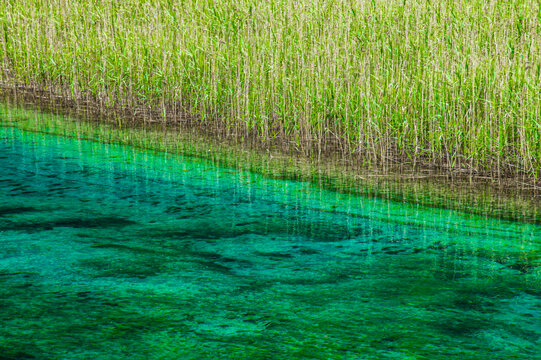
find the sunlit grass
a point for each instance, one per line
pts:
(450, 83)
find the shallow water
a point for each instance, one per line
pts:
(109, 252)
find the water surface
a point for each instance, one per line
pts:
(111, 252)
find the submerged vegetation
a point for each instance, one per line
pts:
(454, 84)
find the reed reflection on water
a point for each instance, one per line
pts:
(112, 252)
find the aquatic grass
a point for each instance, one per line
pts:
(450, 84)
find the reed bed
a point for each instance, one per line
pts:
(454, 84)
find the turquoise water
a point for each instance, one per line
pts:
(109, 252)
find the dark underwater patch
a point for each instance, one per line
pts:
(215, 266)
(17, 356)
(523, 267)
(275, 255)
(246, 223)
(212, 256)
(99, 222)
(308, 251)
(462, 327)
(35, 226)
(133, 249)
(394, 252)
(12, 210)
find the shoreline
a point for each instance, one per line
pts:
(143, 116)
(505, 198)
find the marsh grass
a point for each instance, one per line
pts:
(453, 84)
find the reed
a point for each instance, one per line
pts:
(454, 84)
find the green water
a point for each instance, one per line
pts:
(110, 252)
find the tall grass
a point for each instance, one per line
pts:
(450, 83)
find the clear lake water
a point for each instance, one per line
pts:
(113, 252)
